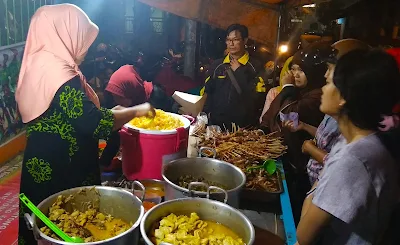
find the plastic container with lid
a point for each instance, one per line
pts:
(144, 151)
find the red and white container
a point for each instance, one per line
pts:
(145, 151)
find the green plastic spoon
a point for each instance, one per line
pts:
(48, 222)
(269, 166)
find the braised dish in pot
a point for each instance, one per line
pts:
(90, 225)
(191, 230)
(185, 180)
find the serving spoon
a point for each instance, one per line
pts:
(269, 166)
(48, 222)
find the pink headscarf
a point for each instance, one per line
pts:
(59, 36)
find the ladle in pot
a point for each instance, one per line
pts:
(48, 222)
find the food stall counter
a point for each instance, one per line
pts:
(287, 213)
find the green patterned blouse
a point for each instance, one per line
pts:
(62, 147)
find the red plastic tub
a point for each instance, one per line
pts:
(145, 151)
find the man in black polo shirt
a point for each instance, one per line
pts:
(233, 84)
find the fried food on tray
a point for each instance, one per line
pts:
(247, 144)
(245, 148)
(260, 180)
(257, 179)
(90, 225)
(182, 230)
(161, 121)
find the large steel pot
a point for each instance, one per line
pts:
(118, 202)
(211, 169)
(207, 210)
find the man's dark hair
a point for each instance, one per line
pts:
(244, 32)
(160, 99)
(369, 81)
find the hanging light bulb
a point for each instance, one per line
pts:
(283, 48)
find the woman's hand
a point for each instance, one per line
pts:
(124, 115)
(288, 78)
(307, 145)
(145, 109)
(290, 125)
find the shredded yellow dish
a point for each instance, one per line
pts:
(162, 121)
(184, 230)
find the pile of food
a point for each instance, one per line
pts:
(90, 225)
(161, 121)
(184, 182)
(182, 230)
(246, 148)
(261, 180)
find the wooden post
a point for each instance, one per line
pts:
(189, 65)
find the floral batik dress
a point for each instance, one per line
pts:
(62, 148)
(326, 137)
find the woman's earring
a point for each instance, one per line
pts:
(342, 103)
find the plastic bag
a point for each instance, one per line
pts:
(292, 116)
(212, 131)
(199, 127)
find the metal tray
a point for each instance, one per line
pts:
(263, 195)
(249, 193)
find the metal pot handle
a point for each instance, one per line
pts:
(210, 188)
(202, 149)
(29, 223)
(141, 188)
(194, 184)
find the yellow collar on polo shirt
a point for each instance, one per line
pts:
(242, 60)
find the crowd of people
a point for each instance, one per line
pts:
(342, 130)
(335, 108)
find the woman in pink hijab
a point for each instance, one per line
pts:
(63, 116)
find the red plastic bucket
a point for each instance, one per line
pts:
(145, 151)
